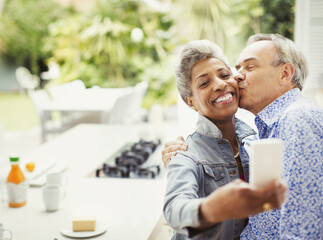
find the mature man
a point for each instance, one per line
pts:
(271, 75)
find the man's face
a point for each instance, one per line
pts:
(258, 78)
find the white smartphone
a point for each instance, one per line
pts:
(266, 161)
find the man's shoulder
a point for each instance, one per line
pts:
(303, 110)
(301, 118)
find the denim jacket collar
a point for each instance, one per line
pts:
(207, 128)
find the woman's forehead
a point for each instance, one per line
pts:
(208, 64)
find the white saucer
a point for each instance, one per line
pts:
(68, 231)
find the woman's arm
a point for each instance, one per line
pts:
(238, 200)
(181, 205)
(184, 209)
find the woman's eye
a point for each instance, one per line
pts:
(225, 76)
(204, 83)
(249, 67)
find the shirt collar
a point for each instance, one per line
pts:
(271, 114)
(206, 127)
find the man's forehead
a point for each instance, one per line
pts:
(257, 51)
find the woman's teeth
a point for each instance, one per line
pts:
(224, 98)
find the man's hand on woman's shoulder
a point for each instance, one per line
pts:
(170, 149)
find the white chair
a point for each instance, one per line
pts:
(40, 99)
(127, 108)
(120, 110)
(137, 112)
(140, 91)
(51, 123)
(75, 87)
(26, 80)
(57, 92)
(52, 73)
(68, 90)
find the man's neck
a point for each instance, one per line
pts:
(258, 110)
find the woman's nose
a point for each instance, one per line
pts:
(219, 84)
(239, 77)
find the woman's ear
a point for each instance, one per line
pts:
(190, 102)
(287, 74)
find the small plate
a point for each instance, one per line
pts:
(68, 231)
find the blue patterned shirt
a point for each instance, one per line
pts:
(299, 123)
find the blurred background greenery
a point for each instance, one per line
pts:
(118, 43)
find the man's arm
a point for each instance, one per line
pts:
(171, 148)
(301, 215)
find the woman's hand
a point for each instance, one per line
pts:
(170, 149)
(239, 199)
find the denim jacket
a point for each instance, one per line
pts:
(192, 175)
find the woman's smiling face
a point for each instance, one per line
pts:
(215, 91)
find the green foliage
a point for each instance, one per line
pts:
(161, 78)
(201, 19)
(256, 16)
(121, 42)
(112, 46)
(246, 15)
(264, 16)
(23, 25)
(278, 17)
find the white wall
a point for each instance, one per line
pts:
(309, 38)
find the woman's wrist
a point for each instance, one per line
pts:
(209, 213)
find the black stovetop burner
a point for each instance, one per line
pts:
(131, 161)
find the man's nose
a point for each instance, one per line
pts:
(239, 77)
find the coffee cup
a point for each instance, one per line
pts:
(52, 196)
(2, 231)
(56, 179)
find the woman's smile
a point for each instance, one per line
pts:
(224, 98)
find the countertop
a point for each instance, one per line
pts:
(129, 207)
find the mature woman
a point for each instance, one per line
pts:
(197, 204)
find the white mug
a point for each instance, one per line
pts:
(52, 196)
(56, 179)
(2, 230)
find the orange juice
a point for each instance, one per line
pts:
(17, 185)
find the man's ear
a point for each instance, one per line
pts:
(287, 74)
(190, 102)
